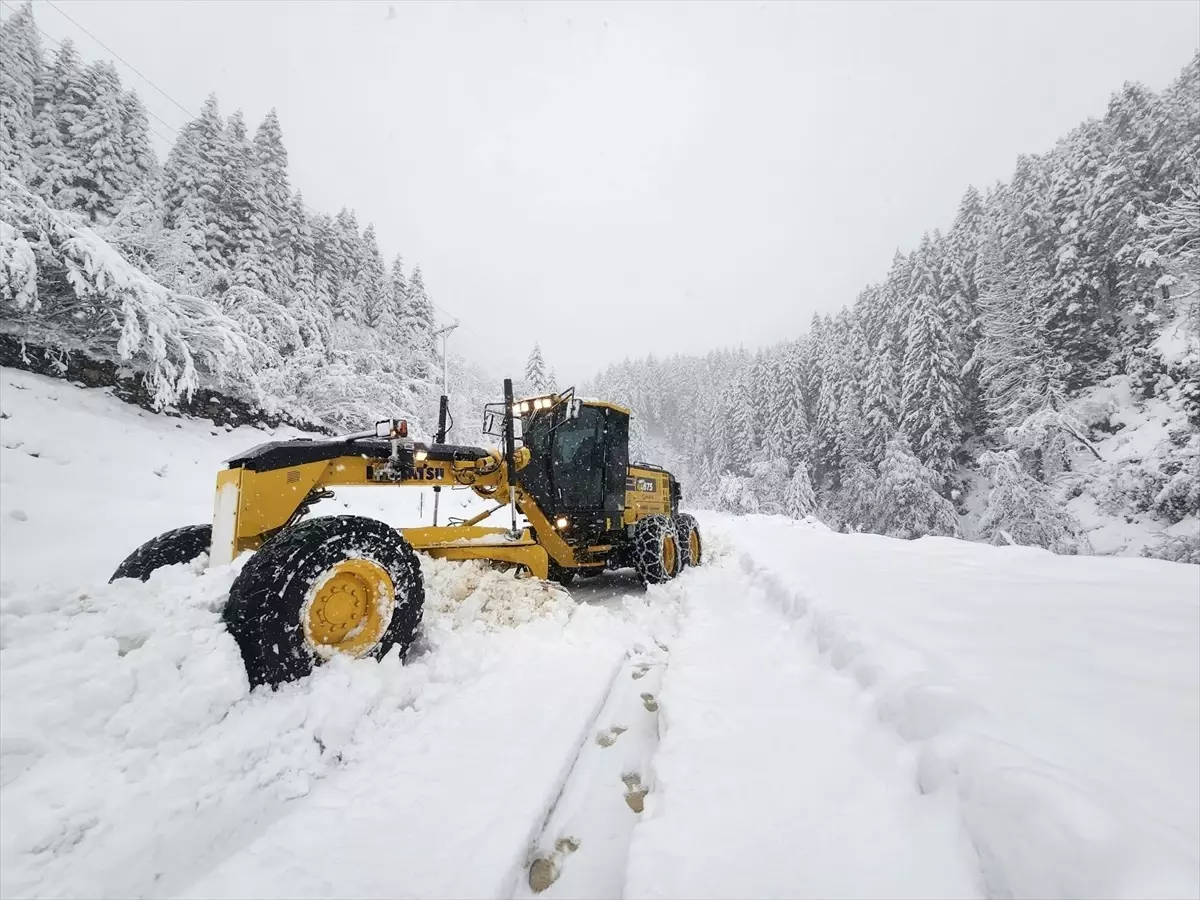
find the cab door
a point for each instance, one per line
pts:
(577, 467)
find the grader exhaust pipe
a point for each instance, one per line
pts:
(443, 410)
(510, 452)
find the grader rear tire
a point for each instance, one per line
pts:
(691, 548)
(179, 545)
(656, 554)
(338, 585)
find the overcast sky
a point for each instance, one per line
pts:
(619, 179)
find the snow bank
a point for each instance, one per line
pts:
(133, 749)
(1056, 699)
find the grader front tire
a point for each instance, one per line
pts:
(656, 555)
(337, 585)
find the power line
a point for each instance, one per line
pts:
(177, 132)
(185, 110)
(191, 139)
(58, 43)
(179, 135)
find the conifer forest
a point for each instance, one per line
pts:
(962, 396)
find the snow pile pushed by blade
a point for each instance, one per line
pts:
(472, 594)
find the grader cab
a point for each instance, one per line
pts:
(349, 585)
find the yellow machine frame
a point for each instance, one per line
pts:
(251, 506)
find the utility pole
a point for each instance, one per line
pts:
(443, 405)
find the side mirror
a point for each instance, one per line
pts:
(489, 423)
(574, 409)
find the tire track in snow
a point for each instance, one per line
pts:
(582, 849)
(583, 846)
(447, 806)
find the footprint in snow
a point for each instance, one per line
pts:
(649, 702)
(19, 514)
(544, 870)
(635, 794)
(608, 738)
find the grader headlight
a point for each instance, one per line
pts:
(562, 522)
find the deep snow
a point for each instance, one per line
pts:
(773, 778)
(824, 715)
(1056, 698)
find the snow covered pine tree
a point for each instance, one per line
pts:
(535, 371)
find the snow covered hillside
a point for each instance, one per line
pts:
(961, 375)
(809, 714)
(1142, 496)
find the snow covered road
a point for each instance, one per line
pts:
(446, 806)
(773, 778)
(808, 714)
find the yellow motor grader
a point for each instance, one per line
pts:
(330, 585)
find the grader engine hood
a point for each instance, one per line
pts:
(285, 454)
(273, 484)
